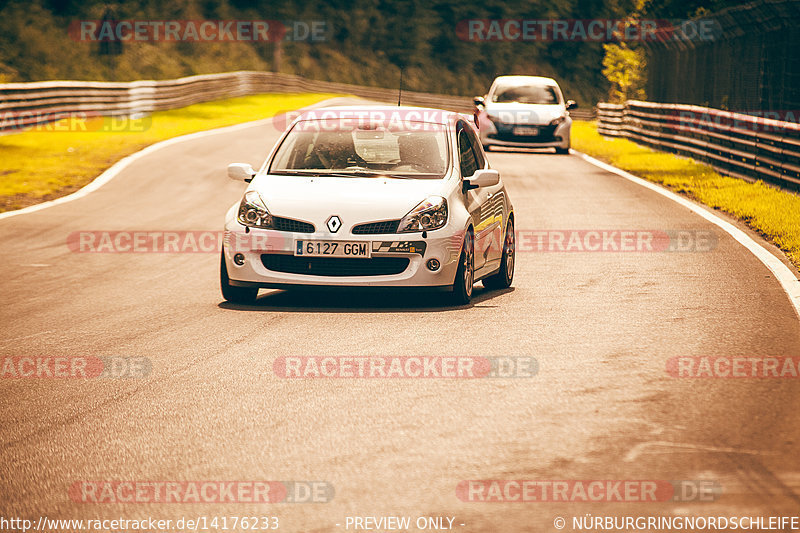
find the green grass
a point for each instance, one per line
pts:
(773, 213)
(38, 165)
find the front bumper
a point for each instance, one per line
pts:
(269, 259)
(499, 134)
(526, 144)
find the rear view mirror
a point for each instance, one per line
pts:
(485, 177)
(482, 178)
(241, 172)
(571, 104)
(478, 101)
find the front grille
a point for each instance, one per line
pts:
(288, 224)
(334, 266)
(505, 132)
(375, 228)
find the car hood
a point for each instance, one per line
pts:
(516, 113)
(355, 200)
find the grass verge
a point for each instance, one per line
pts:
(57, 159)
(773, 213)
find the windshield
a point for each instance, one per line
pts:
(526, 94)
(325, 147)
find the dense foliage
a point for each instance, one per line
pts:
(367, 41)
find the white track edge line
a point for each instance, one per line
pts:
(112, 171)
(784, 275)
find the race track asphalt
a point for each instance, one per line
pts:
(601, 326)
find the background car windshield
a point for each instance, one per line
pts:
(416, 150)
(526, 94)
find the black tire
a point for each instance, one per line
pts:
(562, 151)
(505, 275)
(465, 275)
(238, 295)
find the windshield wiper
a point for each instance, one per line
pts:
(359, 173)
(297, 172)
(355, 173)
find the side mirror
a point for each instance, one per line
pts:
(478, 101)
(241, 172)
(571, 104)
(482, 178)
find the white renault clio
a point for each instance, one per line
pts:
(524, 112)
(370, 197)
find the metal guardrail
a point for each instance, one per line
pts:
(583, 114)
(28, 104)
(735, 144)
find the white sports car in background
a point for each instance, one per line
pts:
(524, 112)
(370, 197)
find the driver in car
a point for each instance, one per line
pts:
(336, 150)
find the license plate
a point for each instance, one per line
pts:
(526, 130)
(332, 248)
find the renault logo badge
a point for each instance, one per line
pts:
(334, 223)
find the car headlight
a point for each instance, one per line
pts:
(431, 213)
(491, 124)
(495, 120)
(557, 121)
(253, 212)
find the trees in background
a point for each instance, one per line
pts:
(367, 42)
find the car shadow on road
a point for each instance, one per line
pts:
(521, 150)
(361, 301)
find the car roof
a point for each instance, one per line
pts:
(426, 114)
(523, 80)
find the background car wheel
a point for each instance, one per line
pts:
(505, 275)
(239, 295)
(465, 275)
(562, 151)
